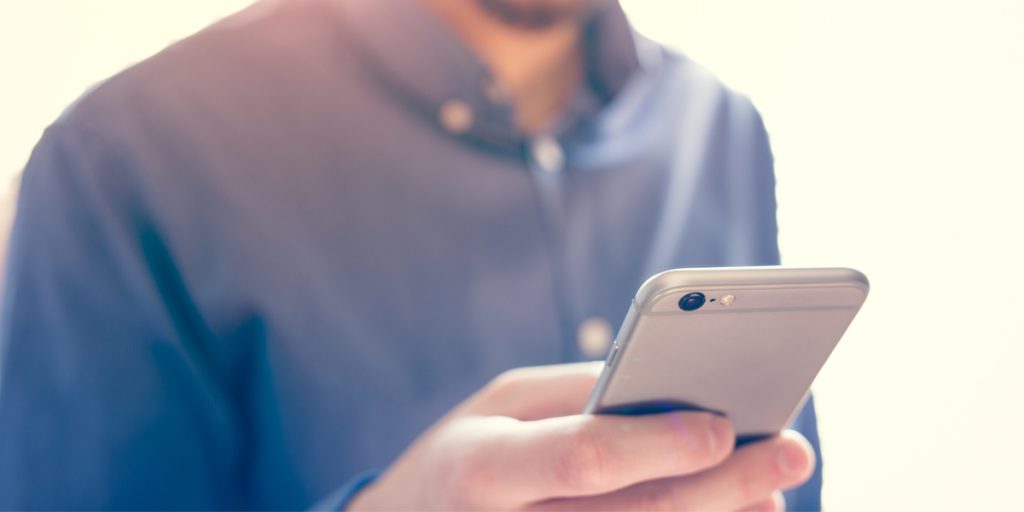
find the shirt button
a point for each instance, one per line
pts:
(455, 116)
(548, 155)
(594, 336)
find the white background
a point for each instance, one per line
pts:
(898, 128)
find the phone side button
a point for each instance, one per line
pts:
(611, 355)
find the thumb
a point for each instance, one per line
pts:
(536, 392)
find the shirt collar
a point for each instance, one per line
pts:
(417, 57)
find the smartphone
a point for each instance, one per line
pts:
(742, 342)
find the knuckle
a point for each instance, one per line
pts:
(583, 463)
(504, 383)
(695, 448)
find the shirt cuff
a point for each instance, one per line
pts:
(343, 496)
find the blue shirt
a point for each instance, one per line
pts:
(262, 261)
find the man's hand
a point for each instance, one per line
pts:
(520, 443)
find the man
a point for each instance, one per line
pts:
(258, 265)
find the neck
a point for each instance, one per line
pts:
(539, 69)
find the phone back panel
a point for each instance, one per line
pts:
(752, 360)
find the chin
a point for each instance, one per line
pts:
(539, 14)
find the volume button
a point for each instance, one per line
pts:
(611, 355)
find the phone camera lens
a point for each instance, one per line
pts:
(691, 301)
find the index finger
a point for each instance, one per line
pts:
(536, 392)
(584, 455)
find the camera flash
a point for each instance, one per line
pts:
(725, 300)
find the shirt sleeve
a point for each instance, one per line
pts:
(108, 396)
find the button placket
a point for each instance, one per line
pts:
(547, 154)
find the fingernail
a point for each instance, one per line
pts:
(721, 434)
(793, 459)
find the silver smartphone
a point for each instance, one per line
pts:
(742, 342)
